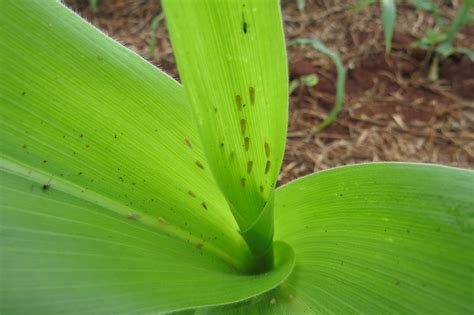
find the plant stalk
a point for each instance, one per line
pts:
(259, 238)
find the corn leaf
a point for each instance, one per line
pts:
(85, 109)
(300, 4)
(62, 254)
(389, 12)
(155, 23)
(375, 239)
(108, 204)
(463, 17)
(232, 61)
(341, 76)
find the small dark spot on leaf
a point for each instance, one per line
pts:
(238, 100)
(162, 221)
(341, 195)
(44, 161)
(242, 182)
(215, 109)
(199, 164)
(261, 188)
(23, 93)
(397, 282)
(267, 149)
(221, 145)
(80, 173)
(133, 216)
(252, 95)
(244, 27)
(203, 204)
(45, 187)
(267, 166)
(192, 194)
(249, 167)
(81, 135)
(243, 126)
(199, 245)
(247, 143)
(188, 142)
(115, 136)
(133, 183)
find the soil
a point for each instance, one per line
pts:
(392, 111)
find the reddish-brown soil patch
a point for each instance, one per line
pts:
(392, 111)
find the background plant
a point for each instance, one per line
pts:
(155, 23)
(309, 80)
(108, 204)
(389, 13)
(439, 39)
(340, 81)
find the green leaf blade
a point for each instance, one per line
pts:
(232, 61)
(389, 12)
(106, 207)
(340, 81)
(82, 108)
(375, 238)
(385, 237)
(61, 254)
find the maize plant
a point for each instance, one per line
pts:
(125, 192)
(439, 40)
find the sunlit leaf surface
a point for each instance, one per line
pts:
(232, 61)
(375, 239)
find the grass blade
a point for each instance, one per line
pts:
(389, 12)
(341, 77)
